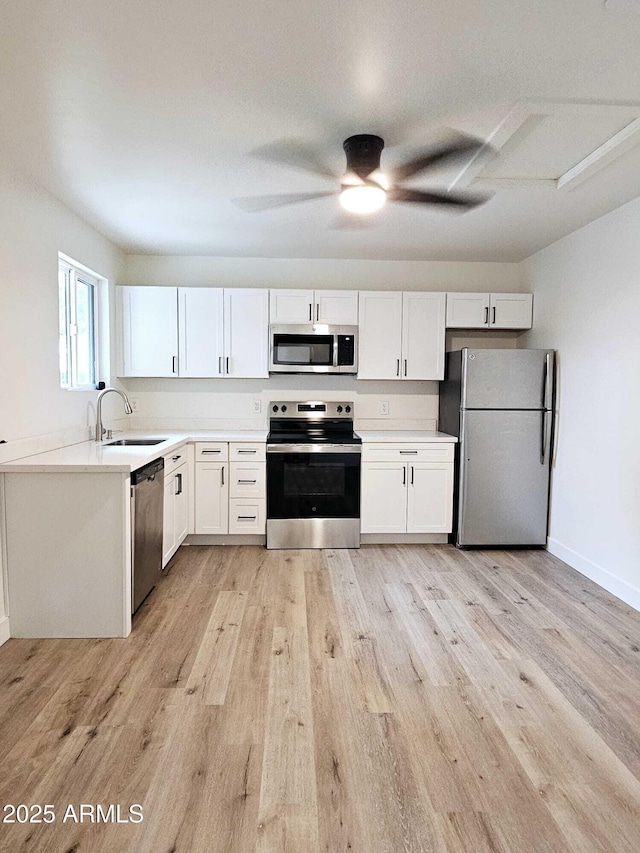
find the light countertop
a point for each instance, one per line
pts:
(89, 456)
(404, 436)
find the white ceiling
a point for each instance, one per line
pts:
(141, 115)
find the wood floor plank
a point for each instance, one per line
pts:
(209, 678)
(288, 815)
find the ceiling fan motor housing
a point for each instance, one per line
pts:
(363, 153)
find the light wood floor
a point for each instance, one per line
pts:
(396, 698)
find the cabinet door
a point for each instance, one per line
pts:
(200, 317)
(380, 344)
(384, 497)
(168, 522)
(149, 331)
(212, 497)
(430, 497)
(290, 306)
(467, 310)
(511, 311)
(181, 503)
(246, 333)
(423, 335)
(336, 307)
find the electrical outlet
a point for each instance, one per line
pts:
(134, 403)
(384, 407)
(257, 407)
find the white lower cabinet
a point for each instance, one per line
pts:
(403, 493)
(212, 497)
(230, 488)
(176, 511)
(246, 516)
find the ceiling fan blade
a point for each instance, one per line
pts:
(295, 154)
(458, 148)
(464, 202)
(259, 203)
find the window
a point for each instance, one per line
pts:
(77, 300)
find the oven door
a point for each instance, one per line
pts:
(313, 481)
(300, 350)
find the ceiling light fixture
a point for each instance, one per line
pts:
(363, 199)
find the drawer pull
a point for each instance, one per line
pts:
(247, 482)
(247, 451)
(209, 451)
(247, 517)
(408, 452)
(175, 458)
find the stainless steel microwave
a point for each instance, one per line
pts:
(313, 349)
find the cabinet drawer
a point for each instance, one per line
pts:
(212, 451)
(245, 451)
(246, 516)
(431, 452)
(247, 480)
(175, 459)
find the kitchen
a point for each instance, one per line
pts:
(530, 615)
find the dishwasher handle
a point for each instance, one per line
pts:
(147, 472)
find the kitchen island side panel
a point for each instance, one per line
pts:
(68, 554)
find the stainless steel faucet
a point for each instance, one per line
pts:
(100, 430)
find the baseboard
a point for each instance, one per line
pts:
(5, 631)
(404, 538)
(615, 585)
(225, 539)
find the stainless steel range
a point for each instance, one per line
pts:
(313, 476)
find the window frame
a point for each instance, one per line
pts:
(75, 274)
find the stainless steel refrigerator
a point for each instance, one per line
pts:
(499, 403)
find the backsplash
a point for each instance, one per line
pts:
(229, 404)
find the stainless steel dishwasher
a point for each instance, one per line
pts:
(147, 499)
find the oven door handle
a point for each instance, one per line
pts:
(314, 448)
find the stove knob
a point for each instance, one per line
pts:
(348, 409)
(275, 408)
(339, 409)
(284, 408)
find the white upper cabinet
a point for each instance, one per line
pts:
(467, 310)
(149, 331)
(401, 335)
(336, 307)
(423, 335)
(380, 335)
(489, 310)
(246, 333)
(200, 312)
(332, 307)
(194, 332)
(291, 306)
(511, 311)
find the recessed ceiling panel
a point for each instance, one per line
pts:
(547, 146)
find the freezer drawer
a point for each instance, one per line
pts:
(504, 486)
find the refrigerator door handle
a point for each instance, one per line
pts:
(547, 397)
(546, 419)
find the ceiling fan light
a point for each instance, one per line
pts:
(363, 199)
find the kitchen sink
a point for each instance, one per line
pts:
(131, 442)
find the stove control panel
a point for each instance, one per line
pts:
(316, 409)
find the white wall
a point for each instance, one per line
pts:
(326, 274)
(228, 403)
(587, 295)
(34, 228)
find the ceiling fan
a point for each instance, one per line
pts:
(364, 187)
